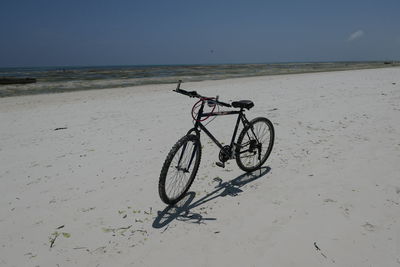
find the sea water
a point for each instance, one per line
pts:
(63, 79)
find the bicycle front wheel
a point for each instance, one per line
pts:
(254, 144)
(179, 169)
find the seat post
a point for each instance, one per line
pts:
(236, 127)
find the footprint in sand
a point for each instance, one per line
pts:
(369, 227)
(391, 201)
(346, 208)
(397, 190)
(328, 200)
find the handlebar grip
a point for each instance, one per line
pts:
(188, 93)
(181, 91)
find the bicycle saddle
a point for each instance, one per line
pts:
(248, 104)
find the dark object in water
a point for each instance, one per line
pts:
(388, 62)
(60, 128)
(14, 80)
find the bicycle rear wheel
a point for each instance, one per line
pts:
(255, 144)
(179, 169)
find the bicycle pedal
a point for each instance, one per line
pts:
(220, 164)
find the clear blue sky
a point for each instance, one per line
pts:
(61, 33)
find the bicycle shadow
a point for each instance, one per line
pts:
(181, 211)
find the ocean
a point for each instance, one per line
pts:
(64, 79)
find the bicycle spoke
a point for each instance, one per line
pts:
(179, 171)
(254, 144)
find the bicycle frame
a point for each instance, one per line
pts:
(198, 125)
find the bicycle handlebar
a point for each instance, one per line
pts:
(223, 104)
(195, 94)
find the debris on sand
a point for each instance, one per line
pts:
(53, 238)
(66, 235)
(320, 251)
(60, 128)
(315, 245)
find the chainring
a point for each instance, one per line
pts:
(223, 155)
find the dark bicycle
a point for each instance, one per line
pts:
(251, 149)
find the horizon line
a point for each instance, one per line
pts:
(201, 64)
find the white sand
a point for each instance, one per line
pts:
(334, 176)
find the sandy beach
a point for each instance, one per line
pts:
(79, 176)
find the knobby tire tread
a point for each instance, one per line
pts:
(270, 145)
(167, 163)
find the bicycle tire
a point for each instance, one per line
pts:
(169, 171)
(244, 140)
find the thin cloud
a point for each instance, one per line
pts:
(355, 35)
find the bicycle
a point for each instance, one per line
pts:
(251, 150)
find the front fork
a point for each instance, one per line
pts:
(186, 169)
(179, 168)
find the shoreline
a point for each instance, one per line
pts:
(164, 81)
